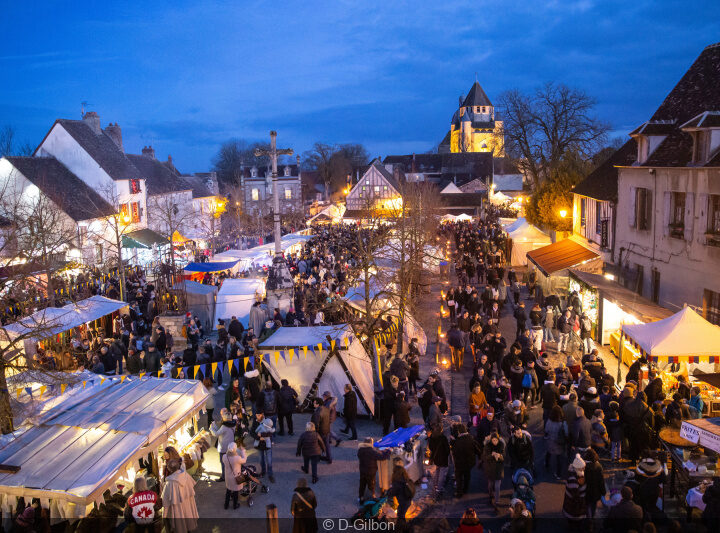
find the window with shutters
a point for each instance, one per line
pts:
(711, 306)
(713, 217)
(643, 208)
(677, 215)
(598, 217)
(583, 208)
(135, 211)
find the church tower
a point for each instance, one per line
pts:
(473, 127)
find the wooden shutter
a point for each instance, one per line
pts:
(667, 207)
(632, 219)
(689, 215)
(648, 208)
(702, 222)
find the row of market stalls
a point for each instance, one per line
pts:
(54, 327)
(93, 437)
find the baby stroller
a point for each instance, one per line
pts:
(250, 484)
(523, 488)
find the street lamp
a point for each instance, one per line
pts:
(563, 213)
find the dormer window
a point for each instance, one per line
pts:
(705, 132)
(287, 171)
(649, 136)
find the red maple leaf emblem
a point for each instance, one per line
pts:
(145, 512)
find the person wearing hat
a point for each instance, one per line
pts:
(152, 359)
(650, 476)
(225, 433)
(575, 502)
(590, 401)
(302, 508)
(263, 444)
(368, 457)
(516, 414)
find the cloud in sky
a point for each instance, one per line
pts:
(188, 75)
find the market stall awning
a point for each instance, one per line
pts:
(54, 320)
(560, 255)
(177, 238)
(82, 441)
(683, 336)
(702, 431)
(627, 300)
(213, 266)
(143, 238)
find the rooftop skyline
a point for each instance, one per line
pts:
(188, 77)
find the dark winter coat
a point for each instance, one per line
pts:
(350, 409)
(623, 517)
(550, 395)
(368, 457)
(594, 481)
(494, 468)
(321, 419)
(288, 400)
(465, 452)
(152, 361)
(439, 449)
(521, 451)
(402, 414)
(304, 516)
(310, 443)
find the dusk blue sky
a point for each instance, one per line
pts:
(186, 76)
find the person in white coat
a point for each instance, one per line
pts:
(178, 496)
(225, 433)
(234, 458)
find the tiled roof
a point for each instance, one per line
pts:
(102, 149)
(463, 166)
(708, 119)
(159, 179)
(602, 183)
(65, 189)
(696, 92)
(654, 128)
(463, 199)
(476, 97)
(199, 188)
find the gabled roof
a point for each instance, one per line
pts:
(476, 97)
(602, 183)
(662, 127)
(159, 179)
(199, 188)
(385, 174)
(102, 149)
(463, 167)
(65, 189)
(696, 92)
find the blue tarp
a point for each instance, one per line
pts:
(210, 267)
(398, 437)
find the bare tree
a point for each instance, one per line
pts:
(541, 127)
(334, 163)
(235, 154)
(9, 146)
(169, 216)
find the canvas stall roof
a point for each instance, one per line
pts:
(351, 365)
(627, 300)
(683, 335)
(54, 320)
(525, 232)
(560, 255)
(143, 238)
(213, 266)
(702, 431)
(81, 442)
(499, 198)
(333, 212)
(236, 296)
(198, 288)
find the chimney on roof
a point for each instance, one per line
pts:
(169, 160)
(148, 151)
(115, 133)
(92, 119)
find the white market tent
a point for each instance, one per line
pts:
(55, 320)
(236, 296)
(82, 442)
(317, 371)
(456, 218)
(355, 298)
(702, 431)
(201, 302)
(525, 238)
(332, 213)
(261, 256)
(685, 336)
(499, 198)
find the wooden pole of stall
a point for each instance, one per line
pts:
(271, 513)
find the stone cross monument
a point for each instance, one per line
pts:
(279, 285)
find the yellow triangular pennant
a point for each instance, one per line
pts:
(277, 356)
(332, 344)
(84, 383)
(122, 379)
(159, 373)
(42, 390)
(213, 366)
(347, 343)
(305, 350)
(197, 369)
(319, 347)
(18, 392)
(292, 353)
(63, 386)
(102, 380)
(141, 374)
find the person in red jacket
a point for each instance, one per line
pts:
(142, 507)
(469, 522)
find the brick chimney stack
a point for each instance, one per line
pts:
(115, 133)
(92, 119)
(148, 151)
